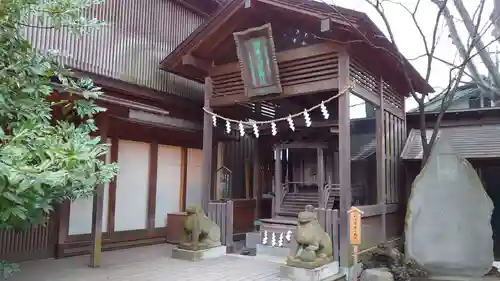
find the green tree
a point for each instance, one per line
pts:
(44, 162)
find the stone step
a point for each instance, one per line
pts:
(300, 194)
(296, 207)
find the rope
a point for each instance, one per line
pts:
(251, 123)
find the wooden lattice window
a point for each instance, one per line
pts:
(257, 57)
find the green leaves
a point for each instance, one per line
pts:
(6, 269)
(43, 161)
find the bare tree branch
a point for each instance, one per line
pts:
(456, 72)
(469, 24)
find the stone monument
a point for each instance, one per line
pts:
(448, 230)
(312, 260)
(201, 237)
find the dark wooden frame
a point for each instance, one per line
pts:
(239, 38)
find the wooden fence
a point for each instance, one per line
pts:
(36, 242)
(329, 220)
(222, 214)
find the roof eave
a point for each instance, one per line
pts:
(171, 61)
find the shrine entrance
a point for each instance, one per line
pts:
(284, 75)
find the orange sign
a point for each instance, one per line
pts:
(355, 225)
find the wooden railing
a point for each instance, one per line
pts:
(222, 214)
(329, 220)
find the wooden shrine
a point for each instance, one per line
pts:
(264, 60)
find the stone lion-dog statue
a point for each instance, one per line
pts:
(314, 246)
(200, 232)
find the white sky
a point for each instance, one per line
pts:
(410, 43)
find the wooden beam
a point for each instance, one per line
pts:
(300, 145)
(97, 203)
(152, 182)
(282, 57)
(344, 160)
(207, 169)
(376, 101)
(293, 90)
(194, 61)
(176, 105)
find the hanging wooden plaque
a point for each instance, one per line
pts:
(257, 57)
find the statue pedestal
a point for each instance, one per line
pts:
(188, 255)
(280, 252)
(327, 272)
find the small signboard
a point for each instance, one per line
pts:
(355, 226)
(257, 57)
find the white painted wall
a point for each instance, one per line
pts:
(193, 182)
(80, 214)
(168, 184)
(132, 186)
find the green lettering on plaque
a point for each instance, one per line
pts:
(258, 60)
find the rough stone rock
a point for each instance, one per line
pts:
(448, 229)
(376, 274)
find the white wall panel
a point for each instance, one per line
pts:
(80, 214)
(168, 185)
(193, 182)
(132, 186)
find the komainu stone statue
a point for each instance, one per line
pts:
(448, 229)
(314, 246)
(200, 232)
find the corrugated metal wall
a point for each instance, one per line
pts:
(138, 35)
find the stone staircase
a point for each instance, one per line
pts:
(294, 203)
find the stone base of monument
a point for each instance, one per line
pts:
(188, 255)
(273, 251)
(327, 272)
(457, 278)
(252, 239)
(281, 232)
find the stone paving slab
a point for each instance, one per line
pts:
(151, 263)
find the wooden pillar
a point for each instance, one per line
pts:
(277, 180)
(206, 176)
(381, 185)
(63, 210)
(183, 187)
(112, 188)
(344, 159)
(321, 177)
(152, 182)
(335, 166)
(220, 163)
(257, 194)
(246, 165)
(97, 203)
